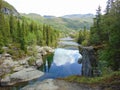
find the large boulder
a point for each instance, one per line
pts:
(23, 75)
(88, 60)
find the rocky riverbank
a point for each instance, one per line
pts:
(14, 71)
(51, 84)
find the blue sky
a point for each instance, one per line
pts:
(57, 7)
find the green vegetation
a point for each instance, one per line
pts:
(22, 32)
(83, 37)
(105, 32)
(64, 24)
(110, 79)
(31, 61)
(104, 35)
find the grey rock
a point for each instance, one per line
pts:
(39, 56)
(21, 76)
(51, 84)
(39, 62)
(5, 80)
(45, 85)
(16, 69)
(24, 61)
(9, 63)
(48, 49)
(27, 74)
(88, 60)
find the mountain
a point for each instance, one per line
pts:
(64, 23)
(48, 16)
(75, 16)
(9, 9)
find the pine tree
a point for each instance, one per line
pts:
(96, 29)
(13, 28)
(7, 36)
(109, 30)
(22, 40)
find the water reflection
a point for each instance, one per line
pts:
(65, 63)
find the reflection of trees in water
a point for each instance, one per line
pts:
(47, 61)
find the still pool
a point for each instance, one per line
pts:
(63, 63)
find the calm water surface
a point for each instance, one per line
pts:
(63, 63)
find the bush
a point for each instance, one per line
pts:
(31, 61)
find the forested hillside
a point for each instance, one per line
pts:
(19, 31)
(65, 23)
(104, 35)
(106, 32)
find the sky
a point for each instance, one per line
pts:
(57, 7)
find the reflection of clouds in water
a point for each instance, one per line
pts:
(63, 56)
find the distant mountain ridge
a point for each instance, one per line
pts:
(79, 16)
(67, 22)
(49, 16)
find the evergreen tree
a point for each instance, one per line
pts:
(22, 41)
(107, 30)
(13, 28)
(7, 36)
(96, 29)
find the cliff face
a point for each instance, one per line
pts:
(9, 9)
(88, 61)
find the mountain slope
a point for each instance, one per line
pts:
(9, 9)
(68, 22)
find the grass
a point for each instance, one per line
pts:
(110, 79)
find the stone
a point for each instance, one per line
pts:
(39, 62)
(5, 80)
(88, 60)
(45, 85)
(27, 74)
(39, 56)
(23, 75)
(16, 69)
(8, 62)
(51, 84)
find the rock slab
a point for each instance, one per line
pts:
(23, 75)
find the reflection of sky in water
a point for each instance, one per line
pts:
(63, 56)
(65, 63)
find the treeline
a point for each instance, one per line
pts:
(83, 37)
(25, 32)
(106, 32)
(105, 35)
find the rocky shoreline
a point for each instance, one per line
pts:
(51, 84)
(15, 71)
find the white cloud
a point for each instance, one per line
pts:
(63, 56)
(57, 7)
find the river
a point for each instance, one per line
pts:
(63, 63)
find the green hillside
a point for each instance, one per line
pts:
(64, 23)
(19, 32)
